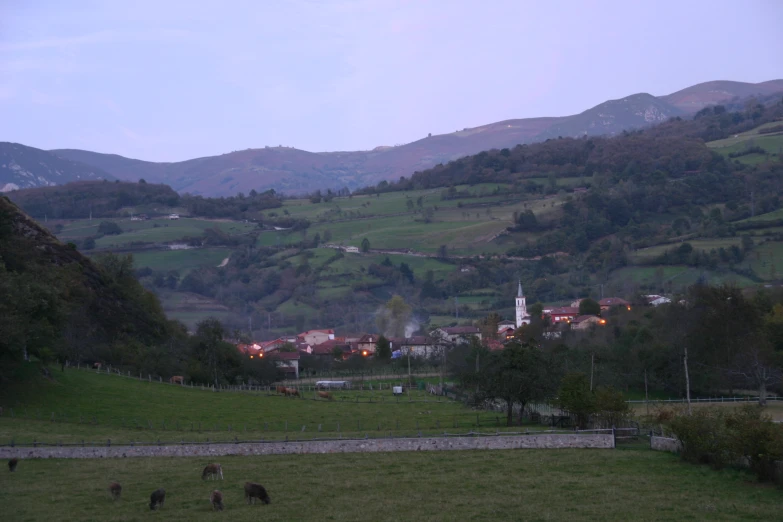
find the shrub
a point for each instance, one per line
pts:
(753, 436)
(611, 407)
(704, 437)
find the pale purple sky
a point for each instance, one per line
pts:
(168, 80)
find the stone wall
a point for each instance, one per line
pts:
(547, 441)
(665, 444)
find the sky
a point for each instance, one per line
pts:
(169, 80)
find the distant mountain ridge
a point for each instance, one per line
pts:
(27, 167)
(292, 170)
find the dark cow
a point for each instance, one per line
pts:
(255, 491)
(116, 490)
(217, 500)
(12, 464)
(157, 498)
(212, 470)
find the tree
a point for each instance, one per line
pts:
(109, 228)
(383, 348)
(365, 245)
(518, 375)
(537, 310)
(88, 243)
(589, 307)
(394, 317)
(576, 398)
(409, 204)
(406, 272)
(220, 359)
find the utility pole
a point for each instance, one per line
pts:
(592, 364)
(456, 307)
(646, 397)
(687, 380)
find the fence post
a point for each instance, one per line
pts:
(614, 438)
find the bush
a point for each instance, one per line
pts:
(753, 436)
(743, 437)
(109, 228)
(703, 436)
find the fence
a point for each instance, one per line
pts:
(748, 398)
(462, 441)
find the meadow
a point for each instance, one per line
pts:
(81, 404)
(530, 485)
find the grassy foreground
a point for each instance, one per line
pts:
(489, 485)
(95, 407)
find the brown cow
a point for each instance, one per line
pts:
(157, 498)
(325, 395)
(12, 464)
(255, 491)
(292, 391)
(212, 470)
(177, 379)
(217, 500)
(96, 366)
(280, 389)
(116, 490)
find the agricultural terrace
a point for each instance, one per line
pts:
(473, 485)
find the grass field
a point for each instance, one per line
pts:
(529, 485)
(88, 405)
(182, 260)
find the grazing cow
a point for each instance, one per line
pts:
(177, 379)
(96, 366)
(116, 490)
(217, 500)
(255, 491)
(325, 395)
(280, 389)
(212, 470)
(157, 498)
(12, 464)
(292, 392)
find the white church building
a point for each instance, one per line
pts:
(521, 306)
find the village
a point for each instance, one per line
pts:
(287, 351)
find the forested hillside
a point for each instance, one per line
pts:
(121, 199)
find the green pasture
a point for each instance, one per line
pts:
(182, 260)
(769, 216)
(743, 137)
(90, 406)
(667, 278)
(646, 254)
(531, 485)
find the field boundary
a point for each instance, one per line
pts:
(598, 439)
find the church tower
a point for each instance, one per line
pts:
(522, 316)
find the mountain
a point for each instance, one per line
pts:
(25, 167)
(614, 116)
(295, 171)
(696, 97)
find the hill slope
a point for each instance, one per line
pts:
(55, 302)
(25, 167)
(295, 171)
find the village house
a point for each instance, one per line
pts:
(584, 322)
(611, 302)
(418, 346)
(327, 348)
(288, 362)
(456, 334)
(352, 250)
(502, 325)
(657, 300)
(506, 333)
(367, 343)
(564, 314)
(314, 337)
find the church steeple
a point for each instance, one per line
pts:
(522, 317)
